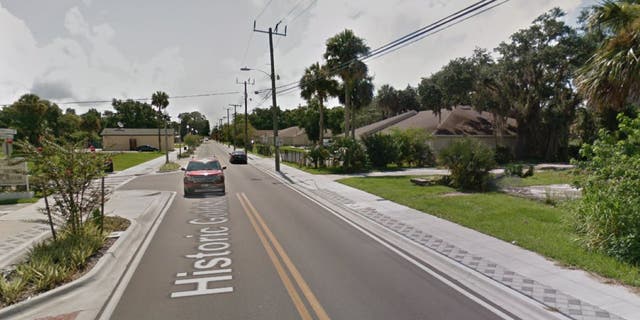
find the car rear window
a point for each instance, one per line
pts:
(209, 165)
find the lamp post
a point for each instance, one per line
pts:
(274, 109)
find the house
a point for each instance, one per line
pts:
(292, 136)
(125, 139)
(457, 123)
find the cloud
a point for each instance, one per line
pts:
(52, 89)
(85, 65)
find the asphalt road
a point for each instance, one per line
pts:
(263, 251)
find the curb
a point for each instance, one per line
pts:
(108, 260)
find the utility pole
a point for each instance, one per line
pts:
(228, 128)
(246, 117)
(276, 142)
(235, 124)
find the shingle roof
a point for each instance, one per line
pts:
(135, 132)
(381, 125)
(462, 120)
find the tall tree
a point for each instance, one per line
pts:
(537, 68)
(342, 53)
(611, 77)
(387, 100)
(132, 114)
(430, 97)
(160, 100)
(408, 99)
(317, 83)
(28, 116)
(360, 97)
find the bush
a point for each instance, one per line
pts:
(503, 155)
(10, 291)
(469, 162)
(381, 150)
(608, 215)
(413, 148)
(263, 149)
(513, 170)
(350, 152)
(318, 155)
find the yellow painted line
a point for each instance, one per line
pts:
(293, 294)
(304, 287)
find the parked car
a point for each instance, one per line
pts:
(146, 148)
(238, 156)
(203, 176)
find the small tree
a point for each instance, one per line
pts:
(413, 148)
(608, 214)
(469, 162)
(68, 174)
(350, 152)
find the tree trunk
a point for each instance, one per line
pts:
(347, 105)
(321, 134)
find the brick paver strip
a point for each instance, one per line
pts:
(552, 298)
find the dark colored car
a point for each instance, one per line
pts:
(203, 176)
(238, 156)
(146, 148)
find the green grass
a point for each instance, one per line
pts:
(320, 170)
(171, 166)
(122, 161)
(16, 201)
(540, 178)
(533, 225)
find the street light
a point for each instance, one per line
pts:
(274, 108)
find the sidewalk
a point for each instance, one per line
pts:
(26, 225)
(573, 293)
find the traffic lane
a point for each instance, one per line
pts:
(352, 276)
(257, 291)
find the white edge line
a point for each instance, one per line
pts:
(119, 291)
(452, 285)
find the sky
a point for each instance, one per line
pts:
(96, 50)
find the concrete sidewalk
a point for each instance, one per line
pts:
(22, 226)
(574, 294)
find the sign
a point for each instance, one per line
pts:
(13, 172)
(6, 132)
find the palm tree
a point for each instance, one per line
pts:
(611, 77)
(317, 82)
(342, 53)
(161, 100)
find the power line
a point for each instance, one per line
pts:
(461, 15)
(303, 11)
(246, 51)
(139, 99)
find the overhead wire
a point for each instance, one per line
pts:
(461, 15)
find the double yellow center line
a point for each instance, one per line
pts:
(277, 254)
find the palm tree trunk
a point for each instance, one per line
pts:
(347, 105)
(321, 135)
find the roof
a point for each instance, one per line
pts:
(381, 125)
(290, 132)
(135, 132)
(461, 120)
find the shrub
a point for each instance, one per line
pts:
(381, 150)
(10, 290)
(350, 152)
(503, 155)
(412, 147)
(608, 215)
(513, 170)
(469, 162)
(317, 155)
(263, 149)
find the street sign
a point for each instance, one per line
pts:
(5, 131)
(13, 172)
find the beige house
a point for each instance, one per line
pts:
(451, 125)
(292, 136)
(125, 139)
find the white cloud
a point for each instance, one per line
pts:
(86, 66)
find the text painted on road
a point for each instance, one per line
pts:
(211, 272)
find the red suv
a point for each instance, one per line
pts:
(203, 175)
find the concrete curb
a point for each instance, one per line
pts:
(18, 253)
(105, 266)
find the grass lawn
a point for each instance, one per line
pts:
(540, 178)
(122, 161)
(15, 201)
(325, 170)
(534, 225)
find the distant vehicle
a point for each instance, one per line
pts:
(203, 176)
(146, 148)
(238, 156)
